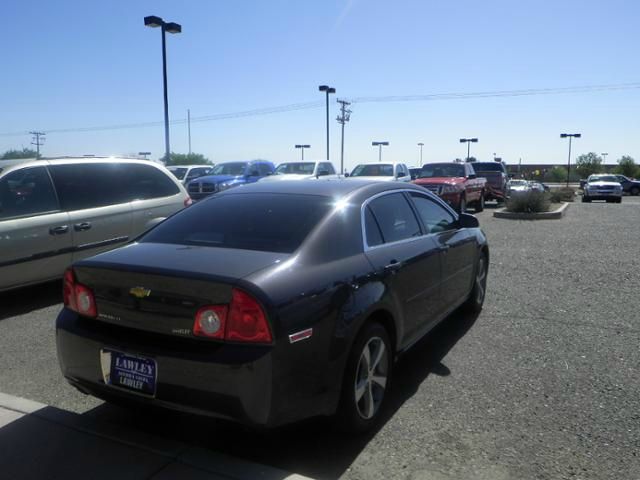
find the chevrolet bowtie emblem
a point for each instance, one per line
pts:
(140, 292)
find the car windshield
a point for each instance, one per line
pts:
(295, 168)
(231, 168)
(604, 178)
(435, 170)
(488, 167)
(375, 170)
(179, 172)
(267, 222)
(517, 183)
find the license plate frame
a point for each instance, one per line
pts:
(128, 371)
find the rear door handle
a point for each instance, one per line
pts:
(80, 227)
(60, 230)
(444, 248)
(393, 265)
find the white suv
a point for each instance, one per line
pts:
(382, 172)
(55, 212)
(602, 187)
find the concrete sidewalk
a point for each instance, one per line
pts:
(42, 442)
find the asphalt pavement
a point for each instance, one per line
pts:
(543, 384)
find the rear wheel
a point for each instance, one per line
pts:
(476, 298)
(366, 380)
(634, 191)
(479, 207)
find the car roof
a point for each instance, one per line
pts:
(335, 187)
(189, 166)
(381, 163)
(11, 165)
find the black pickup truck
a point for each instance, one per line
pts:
(497, 178)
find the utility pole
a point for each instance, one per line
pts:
(189, 128)
(37, 141)
(344, 117)
(421, 145)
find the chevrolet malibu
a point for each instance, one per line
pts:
(271, 303)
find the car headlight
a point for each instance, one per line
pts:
(450, 189)
(224, 186)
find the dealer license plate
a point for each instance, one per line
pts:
(131, 372)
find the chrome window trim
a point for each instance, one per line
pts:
(427, 194)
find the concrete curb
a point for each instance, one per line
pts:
(181, 459)
(554, 215)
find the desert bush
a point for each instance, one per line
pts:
(563, 194)
(530, 202)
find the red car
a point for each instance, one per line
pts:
(456, 183)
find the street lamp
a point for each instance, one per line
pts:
(421, 145)
(144, 154)
(468, 141)
(571, 136)
(154, 22)
(604, 157)
(380, 145)
(302, 147)
(327, 89)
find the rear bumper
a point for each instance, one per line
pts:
(234, 382)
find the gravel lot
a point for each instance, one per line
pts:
(542, 385)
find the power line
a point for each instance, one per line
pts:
(381, 99)
(37, 141)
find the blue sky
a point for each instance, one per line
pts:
(71, 64)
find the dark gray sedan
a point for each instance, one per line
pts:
(272, 302)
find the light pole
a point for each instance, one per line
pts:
(153, 21)
(144, 154)
(380, 145)
(302, 147)
(571, 136)
(604, 157)
(468, 141)
(327, 89)
(421, 145)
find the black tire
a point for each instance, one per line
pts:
(462, 206)
(359, 415)
(479, 206)
(476, 298)
(619, 200)
(586, 199)
(635, 191)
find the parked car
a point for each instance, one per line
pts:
(382, 172)
(414, 172)
(517, 187)
(228, 175)
(54, 212)
(271, 303)
(186, 173)
(456, 183)
(304, 170)
(602, 187)
(497, 178)
(629, 185)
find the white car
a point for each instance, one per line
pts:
(602, 187)
(304, 170)
(517, 187)
(186, 173)
(382, 172)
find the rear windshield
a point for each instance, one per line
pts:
(266, 222)
(378, 170)
(435, 170)
(179, 172)
(298, 167)
(487, 167)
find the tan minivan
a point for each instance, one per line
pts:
(54, 212)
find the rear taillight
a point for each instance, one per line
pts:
(243, 320)
(78, 297)
(211, 321)
(188, 202)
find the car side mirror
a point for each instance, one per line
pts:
(466, 220)
(472, 176)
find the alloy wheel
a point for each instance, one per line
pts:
(371, 377)
(481, 280)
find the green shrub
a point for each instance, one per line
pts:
(563, 194)
(530, 202)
